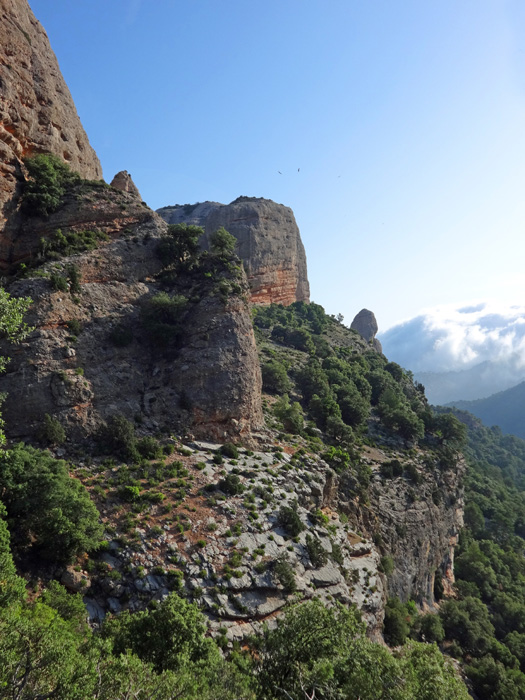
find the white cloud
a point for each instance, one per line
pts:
(451, 338)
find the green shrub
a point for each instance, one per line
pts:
(58, 283)
(49, 513)
(117, 437)
(284, 572)
(288, 518)
(317, 553)
(129, 493)
(73, 273)
(181, 245)
(60, 244)
(75, 326)
(386, 565)
(49, 178)
(222, 242)
(231, 484)
(229, 450)
(275, 379)
(52, 432)
(149, 448)
(162, 317)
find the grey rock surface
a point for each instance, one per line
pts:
(366, 325)
(268, 243)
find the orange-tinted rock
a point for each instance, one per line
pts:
(268, 243)
(123, 181)
(37, 112)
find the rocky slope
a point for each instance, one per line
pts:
(37, 113)
(231, 552)
(268, 243)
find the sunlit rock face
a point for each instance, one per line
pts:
(124, 182)
(268, 242)
(37, 112)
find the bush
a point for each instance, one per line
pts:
(395, 627)
(284, 573)
(162, 316)
(58, 283)
(288, 518)
(49, 178)
(229, 450)
(49, 513)
(222, 242)
(275, 378)
(291, 415)
(180, 245)
(149, 448)
(69, 243)
(74, 326)
(386, 565)
(231, 485)
(317, 553)
(117, 437)
(52, 432)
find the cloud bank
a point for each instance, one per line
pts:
(446, 338)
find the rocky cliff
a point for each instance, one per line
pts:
(74, 366)
(268, 243)
(37, 113)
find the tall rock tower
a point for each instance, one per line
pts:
(37, 112)
(268, 243)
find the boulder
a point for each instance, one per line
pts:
(366, 325)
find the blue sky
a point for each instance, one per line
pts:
(406, 119)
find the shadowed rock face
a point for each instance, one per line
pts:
(37, 113)
(268, 243)
(366, 325)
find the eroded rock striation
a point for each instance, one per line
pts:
(268, 243)
(37, 113)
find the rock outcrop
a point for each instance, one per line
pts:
(37, 113)
(418, 525)
(209, 384)
(123, 181)
(268, 243)
(366, 325)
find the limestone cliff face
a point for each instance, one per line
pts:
(37, 113)
(209, 384)
(268, 243)
(418, 525)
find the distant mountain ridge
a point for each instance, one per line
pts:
(478, 382)
(505, 409)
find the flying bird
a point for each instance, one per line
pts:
(298, 169)
(280, 173)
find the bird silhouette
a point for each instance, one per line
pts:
(280, 173)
